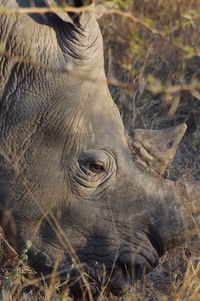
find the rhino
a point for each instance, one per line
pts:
(92, 198)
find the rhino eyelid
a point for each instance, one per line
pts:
(97, 166)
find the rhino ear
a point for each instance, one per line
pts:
(74, 3)
(155, 149)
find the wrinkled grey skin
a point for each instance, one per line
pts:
(71, 180)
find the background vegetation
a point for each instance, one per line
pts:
(160, 63)
(154, 67)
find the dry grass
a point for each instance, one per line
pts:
(177, 278)
(162, 77)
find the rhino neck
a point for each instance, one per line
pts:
(178, 215)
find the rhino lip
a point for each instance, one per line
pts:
(131, 267)
(134, 267)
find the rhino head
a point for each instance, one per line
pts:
(90, 197)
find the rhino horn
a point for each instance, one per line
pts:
(155, 149)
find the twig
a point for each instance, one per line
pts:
(178, 88)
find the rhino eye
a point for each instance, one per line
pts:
(93, 162)
(96, 167)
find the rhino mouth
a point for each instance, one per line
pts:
(131, 267)
(97, 278)
(103, 272)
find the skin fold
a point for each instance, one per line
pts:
(89, 196)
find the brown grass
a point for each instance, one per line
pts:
(157, 85)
